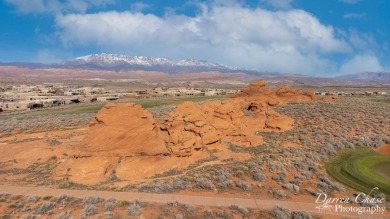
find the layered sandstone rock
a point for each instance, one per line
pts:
(126, 138)
(124, 130)
(128, 129)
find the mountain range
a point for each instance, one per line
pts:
(125, 63)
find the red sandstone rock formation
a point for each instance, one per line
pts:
(123, 133)
(124, 129)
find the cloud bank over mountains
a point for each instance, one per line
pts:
(228, 32)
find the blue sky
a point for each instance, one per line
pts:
(326, 37)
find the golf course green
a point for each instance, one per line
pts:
(362, 169)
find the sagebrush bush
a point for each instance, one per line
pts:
(33, 199)
(92, 200)
(244, 211)
(301, 215)
(291, 187)
(135, 209)
(280, 212)
(204, 183)
(109, 206)
(45, 208)
(258, 175)
(243, 185)
(89, 209)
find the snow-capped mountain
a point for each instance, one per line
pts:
(125, 62)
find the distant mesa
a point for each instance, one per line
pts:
(126, 130)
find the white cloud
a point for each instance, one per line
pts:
(56, 6)
(286, 41)
(362, 41)
(361, 63)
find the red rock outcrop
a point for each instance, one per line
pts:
(124, 129)
(128, 129)
(124, 133)
(237, 120)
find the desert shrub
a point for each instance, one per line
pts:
(123, 203)
(16, 205)
(204, 183)
(188, 208)
(109, 206)
(279, 195)
(28, 217)
(222, 175)
(64, 184)
(164, 186)
(113, 200)
(280, 177)
(48, 197)
(313, 168)
(306, 174)
(243, 185)
(208, 213)
(89, 209)
(301, 215)
(113, 177)
(312, 192)
(280, 212)
(92, 200)
(220, 213)
(274, 166)
(45, 208)
(242, 210)
(224, 184)
(64, 215)
(135, 209)
(251, 165)
(33, 199)
(4, 196)
(174, 204)
(299, 165)
(258, 175)
(296, 181)
(327, 149)
(65, 198)
(16, 197)
(326, 183)
(291, 187)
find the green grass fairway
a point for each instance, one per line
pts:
(362, 169)
(77, 109)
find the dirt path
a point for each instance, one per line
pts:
(186, 199)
